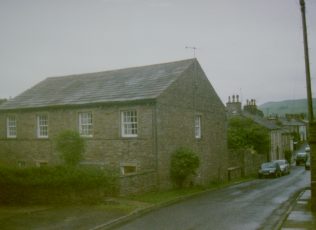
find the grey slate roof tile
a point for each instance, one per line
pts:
(137, 83)
(262, 121)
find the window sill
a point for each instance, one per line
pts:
(86, 136)
(129, 137)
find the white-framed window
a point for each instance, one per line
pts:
(42, 126)
(129, 123)
(198, 131)
(85, 124)
(11, 127)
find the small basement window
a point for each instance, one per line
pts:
(128, 169)
(41, 164)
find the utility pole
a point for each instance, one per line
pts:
(311, 123)
(307, 70)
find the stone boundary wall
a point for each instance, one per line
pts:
(312, 144)
(244, 163)
(138, 183)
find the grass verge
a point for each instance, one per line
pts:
(157, 197)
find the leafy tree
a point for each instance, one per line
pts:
(244, 133)
(71, 147)
(288, 155)
(184, 163)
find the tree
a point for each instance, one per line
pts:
(71, 147)
(244, 133)
(184, 163)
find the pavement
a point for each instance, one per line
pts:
(299, 215)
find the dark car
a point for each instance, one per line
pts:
(301, 157)
(284, 166)
(269, 169)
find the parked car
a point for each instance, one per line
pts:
(307, 148)
(301, 157)
(308, 164)
(284, 166)
(269, 169)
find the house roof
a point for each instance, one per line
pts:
(291, 122)
(137, 83)
(262, 122)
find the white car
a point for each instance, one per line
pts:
(307, 148)
(284, 166)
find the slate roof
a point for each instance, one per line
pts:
(291, 122)
(137, 83)
(262, 122)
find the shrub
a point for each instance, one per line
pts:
(71, 147)
(58, 184)
(244, 133)
(184, 163)
(288, 155)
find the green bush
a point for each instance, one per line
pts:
(184, 163)
(71, 147)
(288, 155)
(244, 133)
(56, 185)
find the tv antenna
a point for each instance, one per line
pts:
(192, 48)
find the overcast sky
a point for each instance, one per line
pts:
(249, 47)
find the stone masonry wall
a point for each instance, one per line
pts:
(312, 144)
(106, 147)
(191, 95)
(244, 163)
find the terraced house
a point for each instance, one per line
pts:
(132, 119)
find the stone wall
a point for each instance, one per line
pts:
(244, 163)
(192, 94)
(138, 183)
(106, 146)
(164, 125)
(312, 144)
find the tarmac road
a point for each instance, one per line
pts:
(250, 205)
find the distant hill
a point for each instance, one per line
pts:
(287, 107)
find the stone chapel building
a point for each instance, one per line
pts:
(132, 119)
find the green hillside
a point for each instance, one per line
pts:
(286, 107)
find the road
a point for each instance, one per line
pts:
(250, 205)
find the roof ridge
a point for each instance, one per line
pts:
(121, 69)
(132, 83)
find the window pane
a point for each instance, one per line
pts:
(129, 124)
(198, 127)
(42, 126)
(85, 124)
(11, 126)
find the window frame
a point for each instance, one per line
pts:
(86, 128)
(128, 169)
(130, 124)
(198, 126)
(10, 127)
(42, 128)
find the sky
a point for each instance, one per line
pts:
(253, 48)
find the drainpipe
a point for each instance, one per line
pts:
(155, 140)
